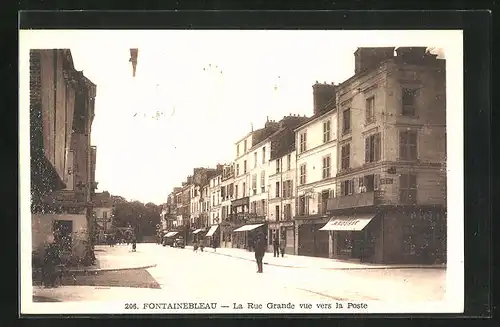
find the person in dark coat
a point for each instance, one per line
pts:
(282, 247)
(260, 249)
(134, 243)
(276, 247)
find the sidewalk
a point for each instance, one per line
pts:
(118, 257)
(295, 261)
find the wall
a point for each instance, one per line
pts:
(41, 228)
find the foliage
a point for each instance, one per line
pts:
(142, 217)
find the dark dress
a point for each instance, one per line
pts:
(51, 260)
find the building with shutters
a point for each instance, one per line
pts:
(227, 194)
(315, 173)
(390, 201)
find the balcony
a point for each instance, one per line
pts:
(357, 200)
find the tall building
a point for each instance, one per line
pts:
(316, 168)
(62, 159)
(227, 194)
(390, 204)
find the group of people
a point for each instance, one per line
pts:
(200, 244)
(260, 246)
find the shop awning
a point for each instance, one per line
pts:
(170, 234)
(212, 230)
(247, 228)
(197, 231)
(348, 223)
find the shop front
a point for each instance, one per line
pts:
(389, 235)
(283, 230)
(213, 236)
(311, 241)
(353, 236)
(247, 233)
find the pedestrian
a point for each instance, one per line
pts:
(260, 249)
(134, 244)
(202, 245)
(276, 247)
(282, 247)
(214, 244)
(50, 263)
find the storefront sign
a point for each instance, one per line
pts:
(386, 181)
(349, 222)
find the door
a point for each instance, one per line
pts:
(321, 241)
(306, 240)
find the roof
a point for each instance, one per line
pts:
(316, 116)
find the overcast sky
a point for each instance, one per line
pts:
(207, 88)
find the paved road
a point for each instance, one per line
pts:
(208, 275)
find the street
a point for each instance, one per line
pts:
(182, 274)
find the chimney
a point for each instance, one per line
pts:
(366, 58)
(322, 95)
(413, 54)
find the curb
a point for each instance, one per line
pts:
(339, 268)
(78, 272)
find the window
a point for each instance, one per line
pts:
(238, 150)
(237, 169)
(244, 189)
(323, 201)
(372, 148)
(303, 178)
(347, 187)
(287, 212)
(287, 189)
(289, 162)
(368, 183)
(278, 164)
(223, 192)
(346, 119)
(303, 142)
(254, 159)
(244, 167)
(409, 100)
(245, 146)
(236, 191)
(264, 207)
(254, 184)
(326, 167)
(277, 189)
(408, 188)
(303, 205)
(262, 181)
(370, 110)
(277, 213)
(408, 145)
(104, 214)
(264, 155)
(345, 156)
(326, 131)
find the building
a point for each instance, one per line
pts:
(103, 215)
(216, 199)
(227, 194)
(391, 139)
(282, 183)
(62, 159)
(316, 164)
(241, 237)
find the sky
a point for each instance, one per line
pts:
(196, 93)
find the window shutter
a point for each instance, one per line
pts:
(320, 202)
(342, 188)
(367, 149)
(351, 182)
(376, 181)
(377, 147)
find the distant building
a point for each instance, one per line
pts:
(103, 215)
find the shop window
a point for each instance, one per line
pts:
(344, 243)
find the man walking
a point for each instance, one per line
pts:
(282, 247)
(276, 247)
(260, 249)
